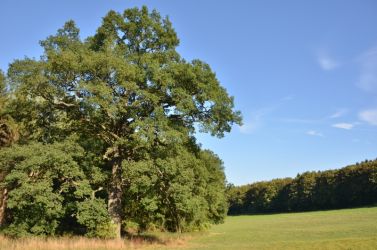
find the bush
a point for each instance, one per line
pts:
(93, 215)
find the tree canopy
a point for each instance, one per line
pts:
(107, 124)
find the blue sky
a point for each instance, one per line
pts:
(303, 73)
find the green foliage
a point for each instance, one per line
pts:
(351, 186)
(2, 85)
(236, 198)
(8, 128)
(180, 192)
(92, 213)
(108, 123)
(40, 179)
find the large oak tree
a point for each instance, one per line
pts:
(125, 91)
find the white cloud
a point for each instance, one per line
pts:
(344, 125)
(368, 74)
(300, 120)
(287, 98)
(314, 133)
(338, 113)
(369, 116)
(256, 120)
(326, 62)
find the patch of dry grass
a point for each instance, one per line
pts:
(82, 243)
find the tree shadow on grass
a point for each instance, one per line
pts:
(145, 238)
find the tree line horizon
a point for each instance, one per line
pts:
(351, 186)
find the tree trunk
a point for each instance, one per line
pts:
(3, 199)
(115, 196)
(3, 204)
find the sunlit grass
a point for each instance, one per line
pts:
(337, 229)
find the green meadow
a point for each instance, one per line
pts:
(335, 229)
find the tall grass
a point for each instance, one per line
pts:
(82, 243)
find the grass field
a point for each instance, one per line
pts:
(337, 229)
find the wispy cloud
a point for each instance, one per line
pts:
(255, 121)
(287, 98)
(301, 120)
(339, 113)
(322, 120)
(368, 73)
(248, 127)
(258, 117)
(369, 116)
(326, 62)
(344, 125)
(314, 133)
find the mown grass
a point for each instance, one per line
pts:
(336, 229)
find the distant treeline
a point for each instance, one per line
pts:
(351, 186)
